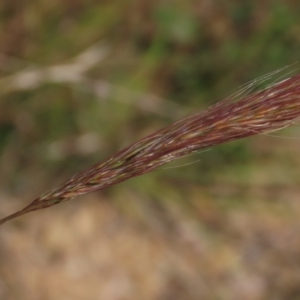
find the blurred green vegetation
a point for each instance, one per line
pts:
(190, 53)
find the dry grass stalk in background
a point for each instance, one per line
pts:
(273, 108)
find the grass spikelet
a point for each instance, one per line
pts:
(270, 109)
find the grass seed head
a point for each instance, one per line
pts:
(273, 108)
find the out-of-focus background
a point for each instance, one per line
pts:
(79, 80)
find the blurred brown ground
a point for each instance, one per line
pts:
(81, 79)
